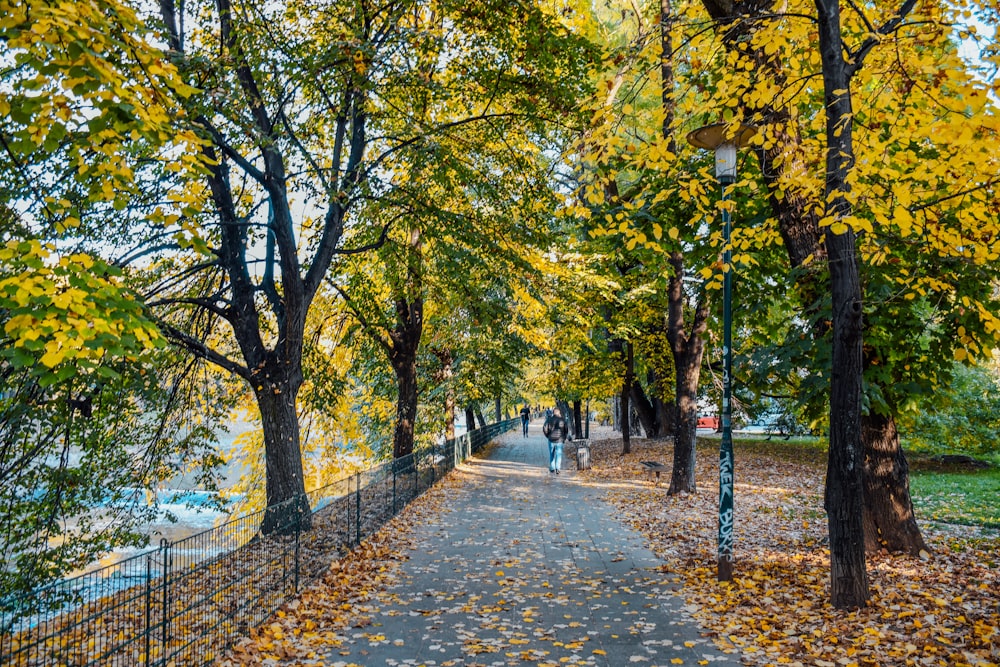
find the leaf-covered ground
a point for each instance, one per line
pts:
(943, 611)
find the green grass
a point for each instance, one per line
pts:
(950, 494)
(971, 498)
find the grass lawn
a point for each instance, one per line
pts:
(943, 493)
(957, 497)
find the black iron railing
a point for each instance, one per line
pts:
(185, 601)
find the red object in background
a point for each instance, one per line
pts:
(708, 422)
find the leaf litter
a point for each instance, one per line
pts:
(941, 609)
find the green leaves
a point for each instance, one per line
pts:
(64, 316)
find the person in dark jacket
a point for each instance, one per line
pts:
(525, 418)
(555, 430)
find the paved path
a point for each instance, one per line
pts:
(528, 568)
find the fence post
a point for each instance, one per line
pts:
(394, 466)
(298, 532)
(357, 501)
(149, 609)
(165, 633)
(416, 472)
(347, 507)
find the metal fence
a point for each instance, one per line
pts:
(184, 602)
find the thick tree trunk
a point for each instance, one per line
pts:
(403, 356)
(682, 477)
(470, 418)
(577, 420)
(844, 491)
(889, 521)
(688, 349)
(646, 411)
(287, 505)
(404, 363)
(568, 416)
(497, 409)
(405, 343)
(480, 418)
(626, 392)
(799, 227)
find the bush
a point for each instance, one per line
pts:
(961, 418)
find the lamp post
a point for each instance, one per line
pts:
(724, 139)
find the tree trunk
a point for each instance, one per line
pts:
(287, 505)
(405, 343)
(889, 521)
(404, 363)
(445, 376)
(480, 417)
(403, 356)
(801, 234)
(844, 492)
(626, 410)
(645, 410)
(568, 416)
(470, 418)
(577, 420)
(682, 477)
(668, 418)
(688, 349)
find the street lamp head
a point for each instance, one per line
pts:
(724, 139)
(725, 163)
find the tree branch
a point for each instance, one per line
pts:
(207, 304)
(858, 56)
(370, 329)
(200, 349)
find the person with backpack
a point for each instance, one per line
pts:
(555, 430)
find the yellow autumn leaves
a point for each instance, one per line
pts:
(69, 309)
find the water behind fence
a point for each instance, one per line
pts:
(184, 602)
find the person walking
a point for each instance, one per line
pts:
(525, 418)
(555, 430)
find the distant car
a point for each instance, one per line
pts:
(711, 422)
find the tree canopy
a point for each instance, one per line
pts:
(355, 219)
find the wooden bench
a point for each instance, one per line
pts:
(653, 467)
